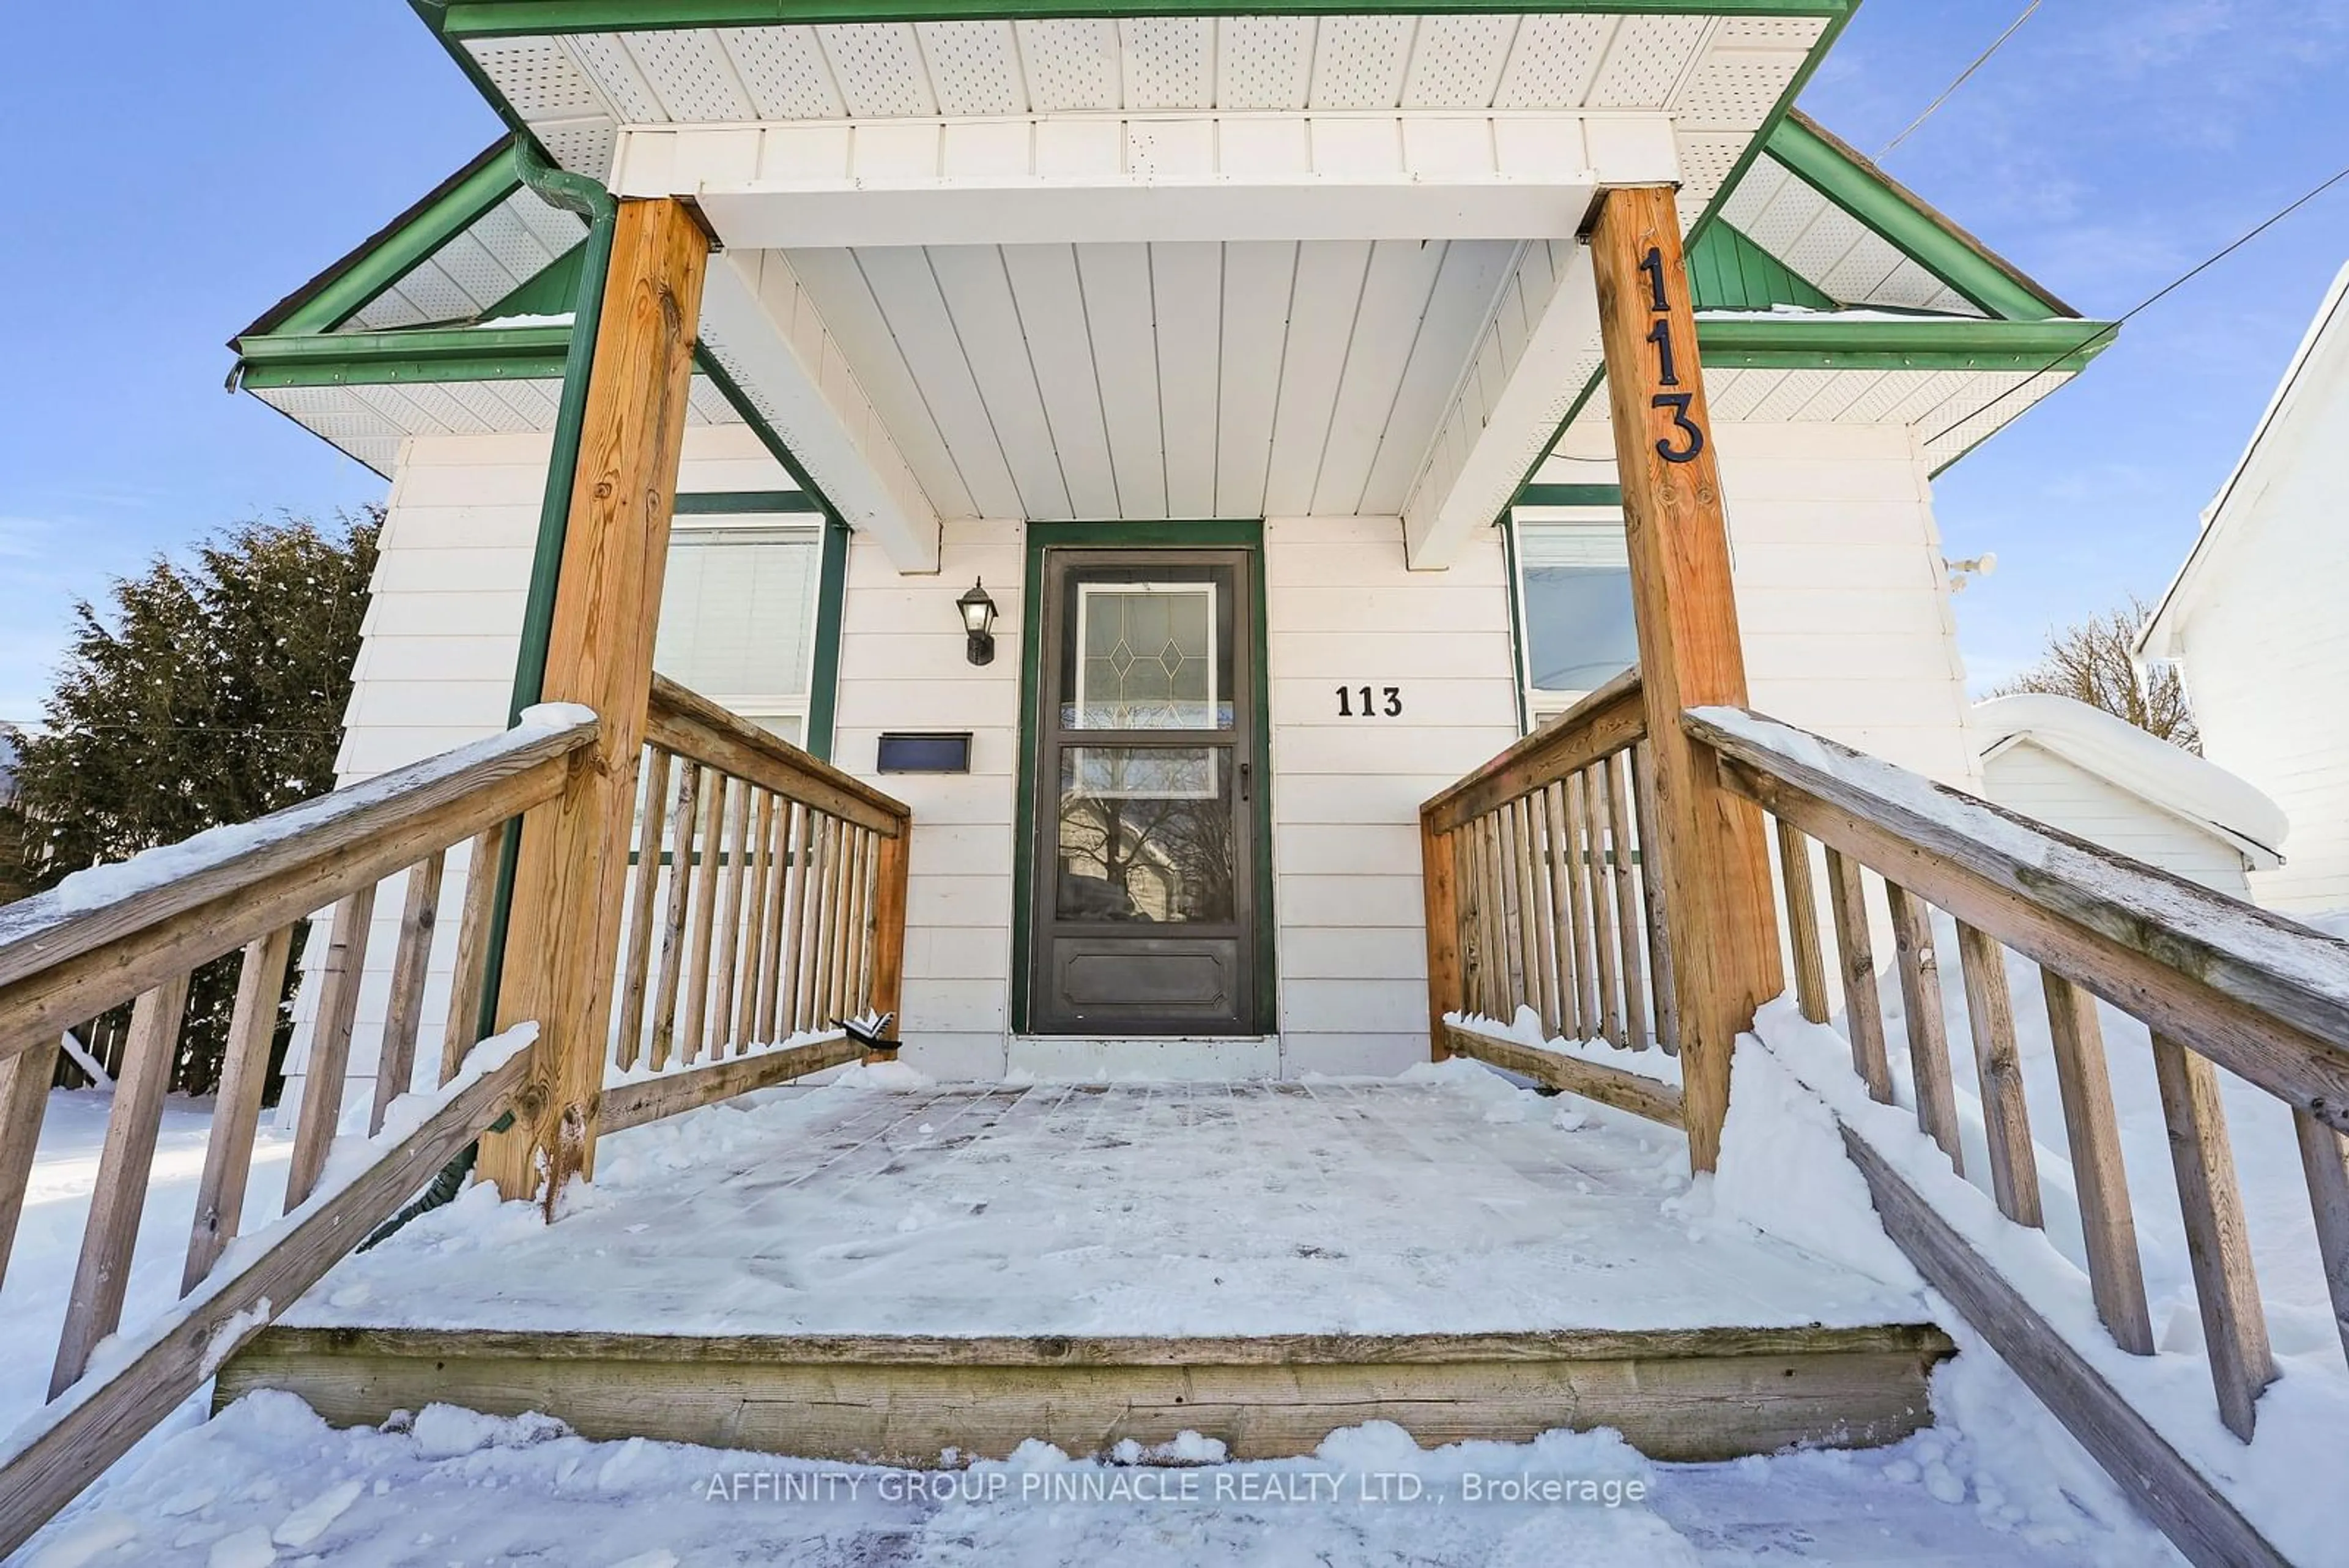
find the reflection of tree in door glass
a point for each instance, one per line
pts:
(1132, 852)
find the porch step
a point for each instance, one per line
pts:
(1676, 1394)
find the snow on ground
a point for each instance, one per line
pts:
(1996, 1482)
(1447, 1200)
(56, 1202)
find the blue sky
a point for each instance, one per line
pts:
(192, 172)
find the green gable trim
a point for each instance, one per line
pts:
(1729, 272)
(1904, 219)
(415, 238)
(1570, 495)
(464, 19)
(378, 359)
(551, 291)
(1925, 343)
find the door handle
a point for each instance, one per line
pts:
(1244, 781)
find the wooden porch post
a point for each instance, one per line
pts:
(563, 932)
(1725, 936)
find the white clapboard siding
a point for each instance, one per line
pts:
(435, 671)
(903, 666)
(2031, 779)
(1342, 610)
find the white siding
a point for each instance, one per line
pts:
(2036, 781)
(902, 667)
(1343, 610)
(436, 665)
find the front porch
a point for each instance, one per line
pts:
(897, 1274)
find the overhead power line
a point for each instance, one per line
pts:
(2106, 332)
(1980, 60)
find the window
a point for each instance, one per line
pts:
(1575, 596)
(737, 616)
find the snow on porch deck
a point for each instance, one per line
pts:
(1444, 1202)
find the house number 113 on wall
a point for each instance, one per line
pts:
(1388, 703)
(1687, 439)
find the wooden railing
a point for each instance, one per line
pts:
(1537, 893)
(137, 930)
(766, 902)
(2217, 983)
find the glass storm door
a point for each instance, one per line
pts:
(1144, 908)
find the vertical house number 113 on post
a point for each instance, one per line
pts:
(1688, 440)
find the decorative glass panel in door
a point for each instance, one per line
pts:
(1141, 921)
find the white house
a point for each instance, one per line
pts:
(2081, 769)
(1211, 351)
(2255, 618)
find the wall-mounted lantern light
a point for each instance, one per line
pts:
(979, 620)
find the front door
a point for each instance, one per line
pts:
(1142, 916)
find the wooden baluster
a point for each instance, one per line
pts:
(1514, 948)
(411, 966)
(464, 1030)
(1539, 859)
(1475, 952)
(683, 824)
(330, 1043)
(24, 1076)
(1627, 905)
(728, 940)
(754, 935)
(1651, 899)
(1929, 1034)
(1439, 867)
(2107, 1224)
(1989, 1015)
(695, 1023)
(636, 968)
(1556, 873)
(124, 1163)
(892, 881)
(822, 874)
(770, 963)
(804, 880)
(868, 855)
(1802, 923)
(2234, 1324)
(236, 1111)
(1602, 916)
(836, 968)
(1855, 953)
(1581, 847)
(1496, 921)
(2324, 1155)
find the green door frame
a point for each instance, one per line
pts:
(1221, 533)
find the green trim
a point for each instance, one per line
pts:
(744, 502)
(1728, 271)
(1569, 495)
(1904, 219)
(387, 258)
(831, 604)
(1879, 343)
(546, 291)
(1509, 526)
(1222, 533)
(465, 19)
(376, 359)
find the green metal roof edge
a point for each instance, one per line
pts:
(464, 19)
(1880, 343)
(421, 354)
(1909, 223)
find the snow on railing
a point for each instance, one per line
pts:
(2217, 983)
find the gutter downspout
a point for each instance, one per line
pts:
(577, 194)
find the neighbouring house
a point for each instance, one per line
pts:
(2074, 767)
(1260, 394)
(2254, 619)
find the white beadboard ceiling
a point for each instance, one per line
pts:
(1719, 77)
(498, 252)
(1830, 249)
(1185, 380)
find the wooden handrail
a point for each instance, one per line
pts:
(691, 725)
(1601, 724)
(2262, 995)
(67, 954)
